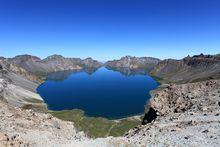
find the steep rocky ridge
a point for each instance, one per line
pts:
(146, 63)
(18, 87)
(53, 63)
(189, 69)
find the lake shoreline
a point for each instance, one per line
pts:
(91, 125)
(125, 123)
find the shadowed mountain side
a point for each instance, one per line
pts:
(189, 69)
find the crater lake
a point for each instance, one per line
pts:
(101, 93)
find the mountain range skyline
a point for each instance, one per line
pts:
(126, 56)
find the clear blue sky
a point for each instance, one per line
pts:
(108, 29)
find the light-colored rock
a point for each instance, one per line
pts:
(188, 116)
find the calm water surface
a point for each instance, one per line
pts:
(104, 93)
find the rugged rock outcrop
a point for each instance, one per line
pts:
(190, 69)
(200, 96)
(53, 63)
(28, 128)
(185, 115)
(146, 63)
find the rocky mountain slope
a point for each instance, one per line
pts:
(181, 115)
(8, 67)
(18, 87)
(53, 63)
(146, 63)
(189, 69)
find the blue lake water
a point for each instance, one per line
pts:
(104, 93)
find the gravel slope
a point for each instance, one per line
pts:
(188, 115)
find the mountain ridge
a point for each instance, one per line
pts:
(188, 69)
(53, 63)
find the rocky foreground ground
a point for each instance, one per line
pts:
(28, 128)
(187, 115)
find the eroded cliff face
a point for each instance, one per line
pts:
(185, 115)
(190, 69)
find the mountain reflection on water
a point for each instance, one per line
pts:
(62, 75)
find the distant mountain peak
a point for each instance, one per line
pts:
(88, 58)
(25, 57)
(55, 56)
